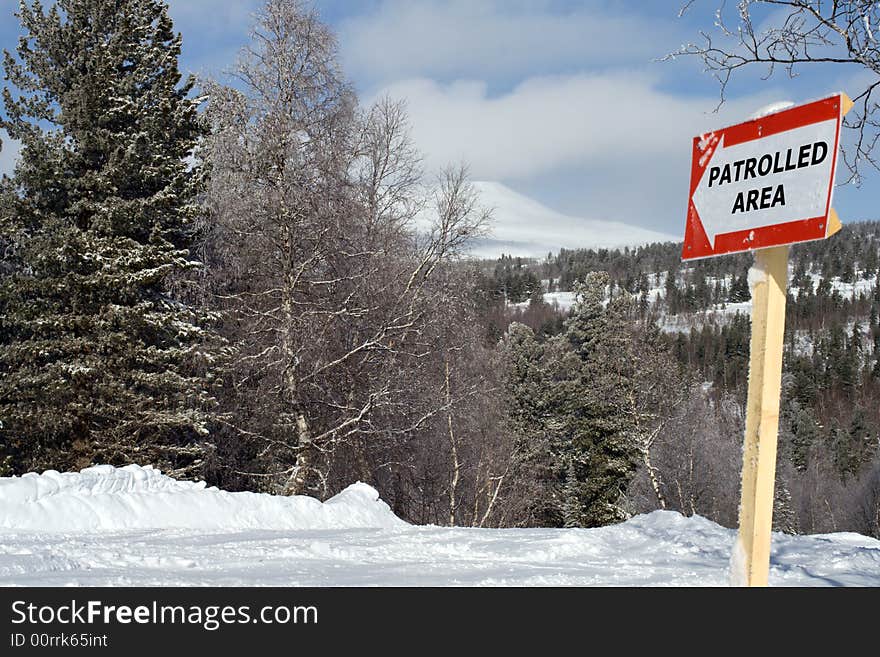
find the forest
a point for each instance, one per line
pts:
(830, 424)
(249, 282)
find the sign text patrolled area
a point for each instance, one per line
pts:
(764, 182)
(759, 167)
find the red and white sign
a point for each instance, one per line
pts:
(765, 182)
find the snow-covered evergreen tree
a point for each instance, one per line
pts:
(529, 394)
(98, 362)
(563, 399)
(604, 449)
(573, 512)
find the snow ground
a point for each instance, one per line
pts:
(134, 527)
(719, 314)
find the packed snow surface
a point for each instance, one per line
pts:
(133, 526)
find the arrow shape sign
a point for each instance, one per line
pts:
(765, 182)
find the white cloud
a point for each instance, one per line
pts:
(488, 38)
(548, 124)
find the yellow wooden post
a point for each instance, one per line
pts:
(762, 413)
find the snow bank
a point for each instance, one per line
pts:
(134, 497)
(99, 527)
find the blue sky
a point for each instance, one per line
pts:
(562, 101)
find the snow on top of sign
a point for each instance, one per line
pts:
(772, 108)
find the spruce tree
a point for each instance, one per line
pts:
(784, 516)
(98, 361)
(596, 442)
(571, 503)
(529, 393)
(804, 432)
(861, 444)
(739, 289)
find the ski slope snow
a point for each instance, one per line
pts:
(522, 226)
(133, 526)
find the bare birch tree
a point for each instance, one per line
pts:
(325, 275)
(789, 34)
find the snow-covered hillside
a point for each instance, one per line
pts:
(719, 314)
(133, 526)
(524, 227)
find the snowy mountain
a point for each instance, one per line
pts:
(524, 227)
(132, 526)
